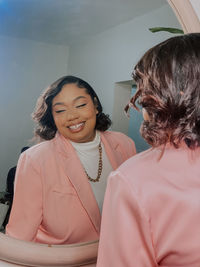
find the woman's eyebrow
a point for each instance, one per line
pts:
(58, 103)
(79, 97)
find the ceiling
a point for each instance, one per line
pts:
(65, 22)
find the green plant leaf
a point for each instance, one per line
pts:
(165, 29)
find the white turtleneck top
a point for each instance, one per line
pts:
(88, 154)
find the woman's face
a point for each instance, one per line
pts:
(74, 114)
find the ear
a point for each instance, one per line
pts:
(96, 105)
(145, 114)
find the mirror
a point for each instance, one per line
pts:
(41, 41)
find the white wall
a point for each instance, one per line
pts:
(109, 57)
(26, 68)
(196, 6)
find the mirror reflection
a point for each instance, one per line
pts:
(60, 182)
(41, 42)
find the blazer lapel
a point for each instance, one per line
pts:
(76, 174)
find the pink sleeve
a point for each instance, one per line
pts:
(125, 238)
(26, 213)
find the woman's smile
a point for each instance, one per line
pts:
(76, 127)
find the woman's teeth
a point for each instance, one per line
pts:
(74, 127)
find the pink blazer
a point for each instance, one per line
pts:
(53, 201)
(151, 213)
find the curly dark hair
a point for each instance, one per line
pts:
(168, 87)
(45, 126)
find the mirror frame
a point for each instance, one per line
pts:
(186, 15)
(18, 252)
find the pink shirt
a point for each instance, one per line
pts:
(151, 213)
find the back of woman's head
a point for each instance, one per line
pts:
(45, 126)
(168, 82)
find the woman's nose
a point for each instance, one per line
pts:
(72, 114)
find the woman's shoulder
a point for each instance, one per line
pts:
(114, 133)
(139, 162)
(39, 150)
(117, 136)
(125, 144)
(154, 163)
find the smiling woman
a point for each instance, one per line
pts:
(60, 182)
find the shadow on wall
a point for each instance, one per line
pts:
(135, 121)
(123, 91)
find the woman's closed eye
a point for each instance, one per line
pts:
(80, 106)
(60, 111)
